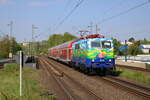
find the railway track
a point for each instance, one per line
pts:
(57, 80)
(136, 89)
(73, 89)
(141, 91)
(134, 68)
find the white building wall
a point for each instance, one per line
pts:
(145, 50)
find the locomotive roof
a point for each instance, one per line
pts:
(107, 39)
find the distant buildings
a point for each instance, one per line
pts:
(25, 44)
(145, 48)
(128, 43)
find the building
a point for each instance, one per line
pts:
(128, 43)
(25, 44)
(145, 48)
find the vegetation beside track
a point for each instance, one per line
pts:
(148, 66)
(6, 44)
(134, 75)
(9, 84)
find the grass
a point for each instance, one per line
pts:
(9, 84)
(134, 75)
(148, 66)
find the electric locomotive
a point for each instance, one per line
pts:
(93, 53)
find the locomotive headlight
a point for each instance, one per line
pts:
(109, 60)
(92, 60)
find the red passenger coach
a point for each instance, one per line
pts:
(62, 52)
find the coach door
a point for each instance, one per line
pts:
(69, 54)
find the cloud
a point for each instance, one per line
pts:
(38, 3)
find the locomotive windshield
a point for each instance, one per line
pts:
(95, 44)
(100, 44)
(106, 44)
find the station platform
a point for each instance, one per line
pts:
(132, 63)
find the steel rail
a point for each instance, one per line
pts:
(127, 87)
(141, 87)
(60, 83)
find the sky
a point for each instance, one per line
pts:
(47, 14)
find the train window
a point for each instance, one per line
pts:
(95, 44)
(77, 46)
(86, 43)
(106, 44)
(83, 45)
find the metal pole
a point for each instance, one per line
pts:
(33, 27)
(83, 32)
(32, 40)
(11, 28)
(91, 28)
(29, 49)
(97, 29)
(10, 38)
(21, 73)
(126, 51)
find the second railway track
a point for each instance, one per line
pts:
(141, 91)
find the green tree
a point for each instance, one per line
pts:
(145, 41)
(15, 46)
(7, 44)
(42, 47)
(117, 44)
(4, 47)
(57, 39)
(134, 48)
(131, 39)
(68, 37)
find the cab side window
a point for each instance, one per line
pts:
(83, 45)
(77, 46)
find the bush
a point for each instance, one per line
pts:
(2, 56)
(12, 67)
(148, 66)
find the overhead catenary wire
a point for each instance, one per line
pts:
(123, 12)
(103, 20)
(79, 2)
(114, 6)
(69, 14)
(67, 4)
